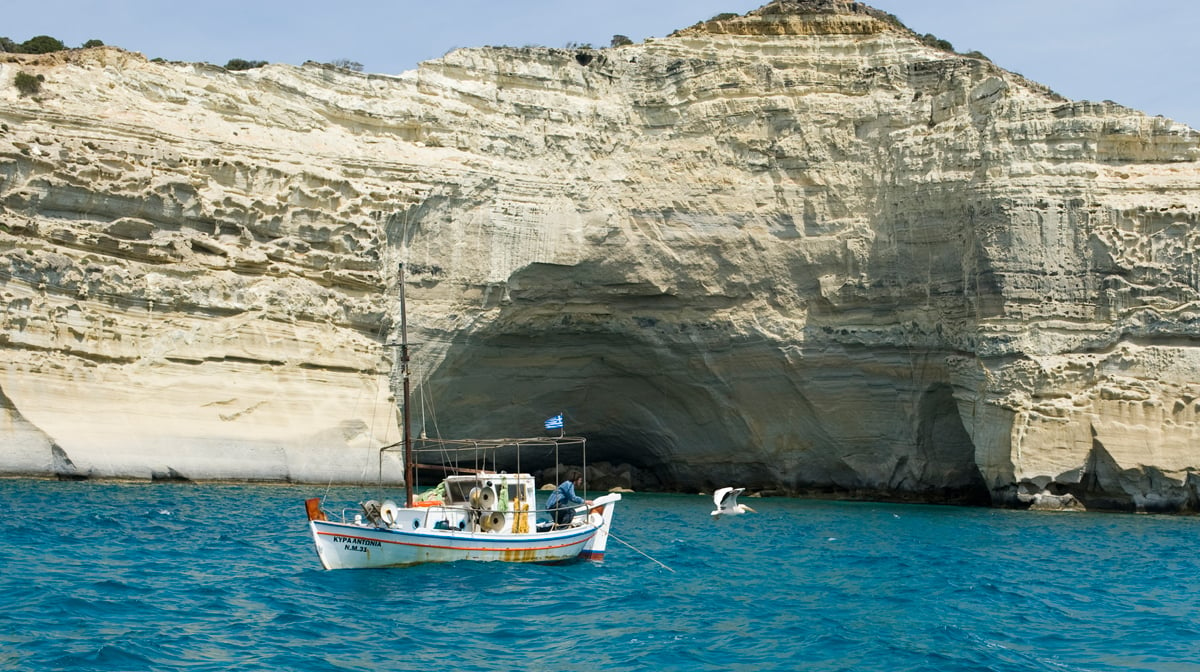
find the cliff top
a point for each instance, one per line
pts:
(800, 17)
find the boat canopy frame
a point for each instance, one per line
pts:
(449, 454)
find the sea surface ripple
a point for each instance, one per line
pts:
(122, 577)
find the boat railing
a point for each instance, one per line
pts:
(372, 513)
(537, 516)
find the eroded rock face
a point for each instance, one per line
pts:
(798, 251)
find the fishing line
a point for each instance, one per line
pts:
(639, 551)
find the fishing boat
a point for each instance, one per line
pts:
(478, 511)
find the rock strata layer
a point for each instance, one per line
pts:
(799, 251)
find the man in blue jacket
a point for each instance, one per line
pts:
(563, 500)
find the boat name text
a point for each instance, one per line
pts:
(359, 545)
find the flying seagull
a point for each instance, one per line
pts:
(726, 501)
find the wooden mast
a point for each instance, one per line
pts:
(408, 455)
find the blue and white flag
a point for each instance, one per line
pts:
(555, 422)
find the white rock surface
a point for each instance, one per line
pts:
(798, 250)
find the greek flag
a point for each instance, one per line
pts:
(554, 422)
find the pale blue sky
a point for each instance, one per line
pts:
(1134, 53)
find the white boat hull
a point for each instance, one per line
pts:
(414, 539)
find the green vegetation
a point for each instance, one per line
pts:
(45, 44)
(929, 39)
(890, 18)
(936, 42)
(242, 64)
(28, 84)
(620, 41)
(42, 44)
(347, 64)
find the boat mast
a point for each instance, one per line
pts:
(408, 455)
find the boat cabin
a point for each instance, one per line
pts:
(490, 491)
(487, 502)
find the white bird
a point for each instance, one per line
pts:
(726, 501)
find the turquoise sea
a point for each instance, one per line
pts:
(223, 577)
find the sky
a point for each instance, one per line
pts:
(1137, 54)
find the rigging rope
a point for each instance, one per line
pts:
(638, 550)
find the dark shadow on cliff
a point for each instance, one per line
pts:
(944, 467)
(677, 429)
(1105, 486)
(61, 465)
(505, 385)
(1095, 486)
(687, 401)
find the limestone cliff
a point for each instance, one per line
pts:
(796, 250)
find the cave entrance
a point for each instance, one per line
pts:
(944, 466)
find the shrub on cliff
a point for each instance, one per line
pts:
(28, 84)
(929, 39)
(42, 44)
(242, 64)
